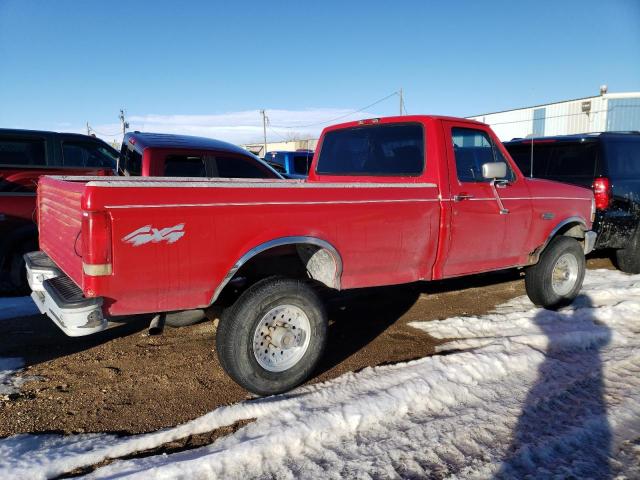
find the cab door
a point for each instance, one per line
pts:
(477, 228)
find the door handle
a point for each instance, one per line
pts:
(462, 196)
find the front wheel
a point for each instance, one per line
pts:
(557, 277)
(271, 339)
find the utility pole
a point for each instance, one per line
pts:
(124, 124)
(88, 129)
(401, 102)
(264, 131)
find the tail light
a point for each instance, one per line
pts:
(602, 192)
(96, 243)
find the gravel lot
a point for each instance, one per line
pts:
(124, 381)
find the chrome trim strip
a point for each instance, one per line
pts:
(249, 204)
(278, 242)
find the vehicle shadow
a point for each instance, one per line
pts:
(37, 339)
(562, 430)
(357, 318)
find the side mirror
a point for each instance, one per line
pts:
(494, 170)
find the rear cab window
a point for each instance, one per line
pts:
(376, 150)
(130, 161)
(301, 163)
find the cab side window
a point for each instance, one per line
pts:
(87, 154)
(473, 148)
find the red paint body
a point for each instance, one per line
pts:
(387, 230)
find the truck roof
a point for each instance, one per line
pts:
(44, 133)
(144, 140)
(401, 119)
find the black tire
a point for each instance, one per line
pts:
(18, 269)
(538, 280)
(239, 323)
(628, 258)
(184, 318)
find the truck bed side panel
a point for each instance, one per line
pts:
(172, 246)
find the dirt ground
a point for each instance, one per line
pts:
(125, 381)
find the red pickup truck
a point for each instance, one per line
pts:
(387, 201)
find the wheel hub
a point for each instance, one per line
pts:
(564, 274)
(281, 338)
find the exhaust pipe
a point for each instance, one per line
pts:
(157, 324)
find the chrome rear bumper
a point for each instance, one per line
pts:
(60, 299)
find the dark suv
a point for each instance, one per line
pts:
(26, 155)
(608, 163)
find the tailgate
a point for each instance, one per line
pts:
(60, 224)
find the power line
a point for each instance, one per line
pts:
(341, 116)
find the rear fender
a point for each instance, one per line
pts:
(322, 260)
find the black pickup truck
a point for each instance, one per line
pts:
(609, 163)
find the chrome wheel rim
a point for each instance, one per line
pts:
(564, 274)
(281, 338)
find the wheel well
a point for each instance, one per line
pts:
(306, 258)
(573, 227)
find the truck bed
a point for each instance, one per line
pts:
(175, 240)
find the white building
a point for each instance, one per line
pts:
(605, 112)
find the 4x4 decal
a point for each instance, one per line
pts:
(148, 234)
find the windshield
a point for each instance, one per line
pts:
(623, 157)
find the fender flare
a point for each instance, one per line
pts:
(279, 242)
(535, 255)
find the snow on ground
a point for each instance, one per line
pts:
(521, 393)
(11, 307)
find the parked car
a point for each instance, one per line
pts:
(388, 201)
(26, 155)
(291, 164)
(608, 163)
(165, 155)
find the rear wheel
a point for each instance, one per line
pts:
(628, 259)
(557, 277)
(271, 339)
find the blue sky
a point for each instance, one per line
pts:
(207, 67)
